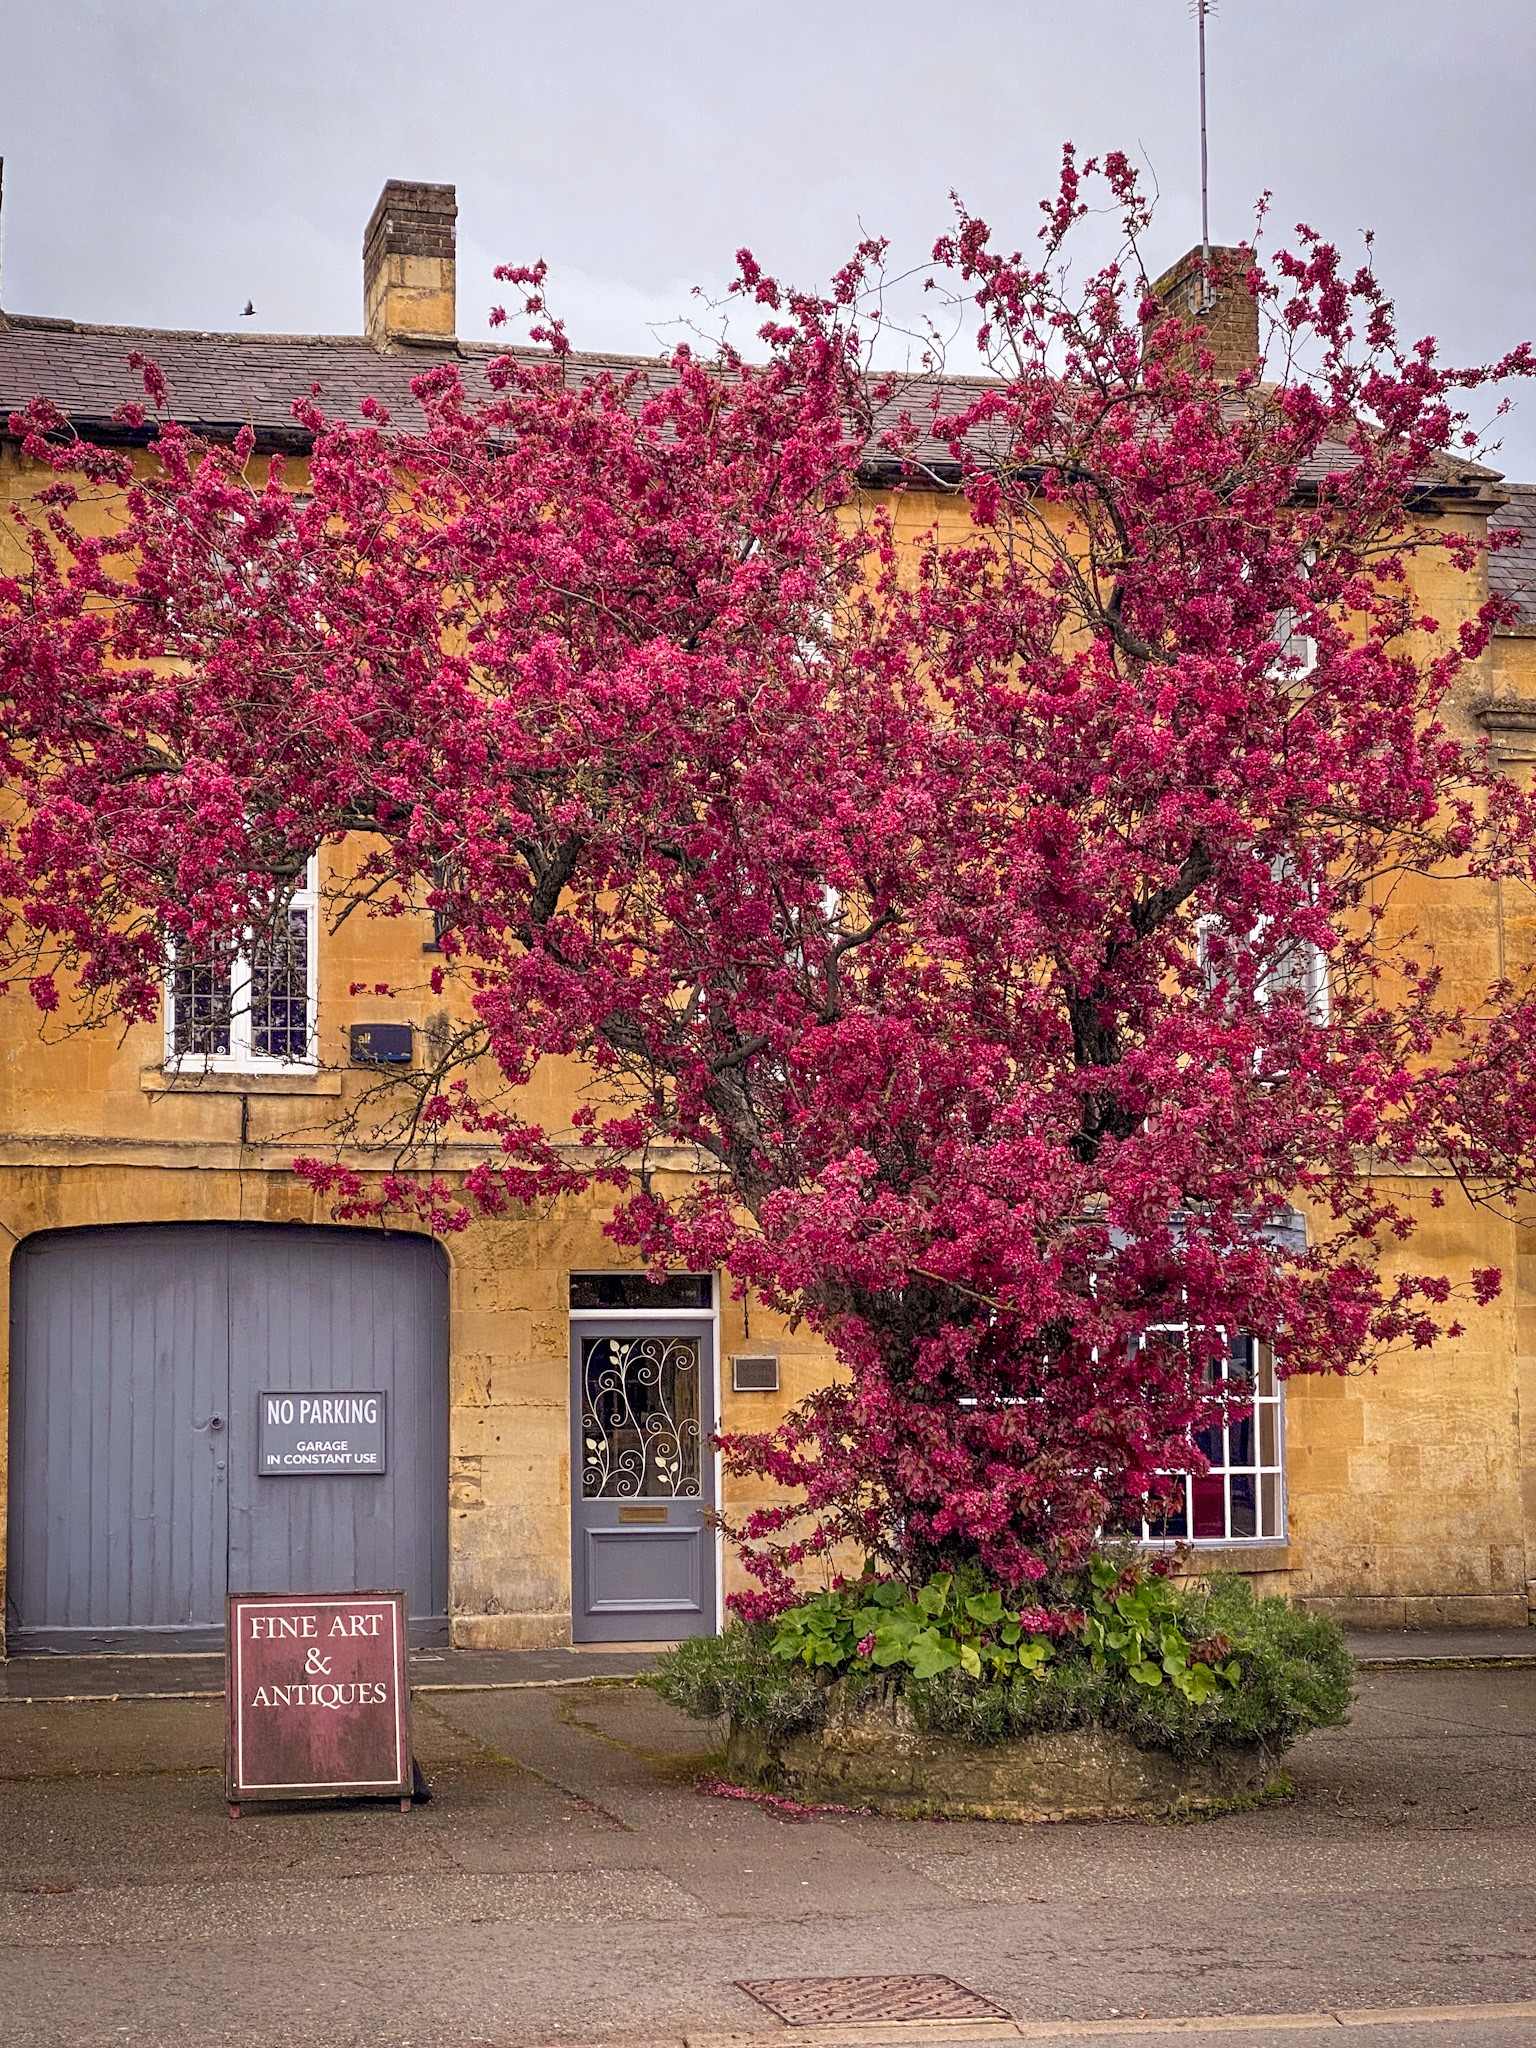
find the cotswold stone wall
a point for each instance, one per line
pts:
(874, 1756)
(1408, 1489)
(1406, 1486)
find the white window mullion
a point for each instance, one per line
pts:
(240, 1010)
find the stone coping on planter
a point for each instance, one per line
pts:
(873, 1756)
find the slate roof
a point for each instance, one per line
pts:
(220, 382)
(1512, 571)
(216, 380)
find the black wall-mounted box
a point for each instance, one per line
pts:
(381, 1045)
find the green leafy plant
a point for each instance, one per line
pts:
(1134, 1623)
(949, 1624)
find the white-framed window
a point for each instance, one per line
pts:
(1298, 650)
(1294, 966)
(251, 1010)
(1241, 1497)
(1297, 968)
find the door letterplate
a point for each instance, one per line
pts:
(643, 1511)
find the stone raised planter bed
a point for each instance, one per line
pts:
(873, 1755)
(1096, 1728)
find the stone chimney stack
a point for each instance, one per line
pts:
(408, 265)
(1230, 315)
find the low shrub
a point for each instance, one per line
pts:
(736, 1675)
(1185, 1670)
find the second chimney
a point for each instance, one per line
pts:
(408, 265)
(1218, 301)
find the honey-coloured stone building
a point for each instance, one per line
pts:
(175, 1294)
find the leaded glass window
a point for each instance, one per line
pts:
(253, 1009)
(280, 1021)
(200, 1007)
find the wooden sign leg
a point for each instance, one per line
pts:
(405, 1806)
(234, 1811)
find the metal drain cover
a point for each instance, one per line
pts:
(885, 2001)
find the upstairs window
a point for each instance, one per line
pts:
(1298, 650)
(1300, 969)
(1286, 967)
(251, 1010)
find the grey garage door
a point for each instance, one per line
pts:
(139, 1356)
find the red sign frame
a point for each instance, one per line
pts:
(317, 1697)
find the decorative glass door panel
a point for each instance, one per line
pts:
(643, 1550)
(640, 1437)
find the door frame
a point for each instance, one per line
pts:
(707, 1322)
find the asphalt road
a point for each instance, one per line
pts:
(569, 1883)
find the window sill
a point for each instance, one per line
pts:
(1265, 1555)
(224, 1081)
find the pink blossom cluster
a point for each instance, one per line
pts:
(1046, 1621)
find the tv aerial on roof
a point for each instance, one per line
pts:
(1200, 9)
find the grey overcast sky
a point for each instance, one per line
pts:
(166, 160)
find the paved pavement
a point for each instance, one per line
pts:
(199, 1677)
(1376, 1649)
(570, 1883)
(432, 1671)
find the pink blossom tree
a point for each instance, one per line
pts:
(976, 945)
